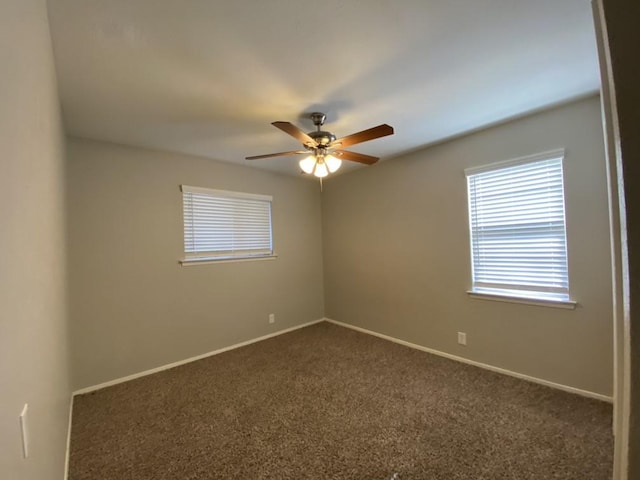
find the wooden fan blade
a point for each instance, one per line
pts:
(280, 154)
(295, 132)
(363, 136)
(355, 157)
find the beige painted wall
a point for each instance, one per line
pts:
(396, 252)
(33, 324)
(133, 307)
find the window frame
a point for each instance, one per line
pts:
(525, 296)
(226, 256)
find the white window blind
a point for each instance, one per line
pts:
(226, 225)
(517, 223)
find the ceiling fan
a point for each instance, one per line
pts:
(325, 150)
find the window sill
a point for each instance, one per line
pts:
(190, 262)
(542, 302)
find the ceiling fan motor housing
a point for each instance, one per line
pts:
(322, 138)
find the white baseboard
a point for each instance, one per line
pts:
(116, 381)
(68, 450)
(559, 386)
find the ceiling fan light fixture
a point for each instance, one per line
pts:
(332, 163)
(308, 164)
(321, 170)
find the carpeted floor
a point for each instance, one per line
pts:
(326, 402)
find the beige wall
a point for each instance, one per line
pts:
(396, 253)
(133, 307)
(33, 323)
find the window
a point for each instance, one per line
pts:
(221, 225)
(517, 223)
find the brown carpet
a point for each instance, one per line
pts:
(326, 402)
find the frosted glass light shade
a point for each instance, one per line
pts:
(321, 170)
(307, 164)
(333, 163)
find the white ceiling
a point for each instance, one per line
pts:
(207, 77)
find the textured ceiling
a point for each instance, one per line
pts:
(207, 77)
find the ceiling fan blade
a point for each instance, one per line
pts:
(280, 154)
(363, 136)
(355, 157)
(295, 132)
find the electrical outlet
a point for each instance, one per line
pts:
(25, 430)
(272, 318)
(462, 338)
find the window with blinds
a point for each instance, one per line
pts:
(517, 223)
(220, 225)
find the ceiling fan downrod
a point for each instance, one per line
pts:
(322, 138)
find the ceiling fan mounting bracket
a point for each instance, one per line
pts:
(318, 119)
